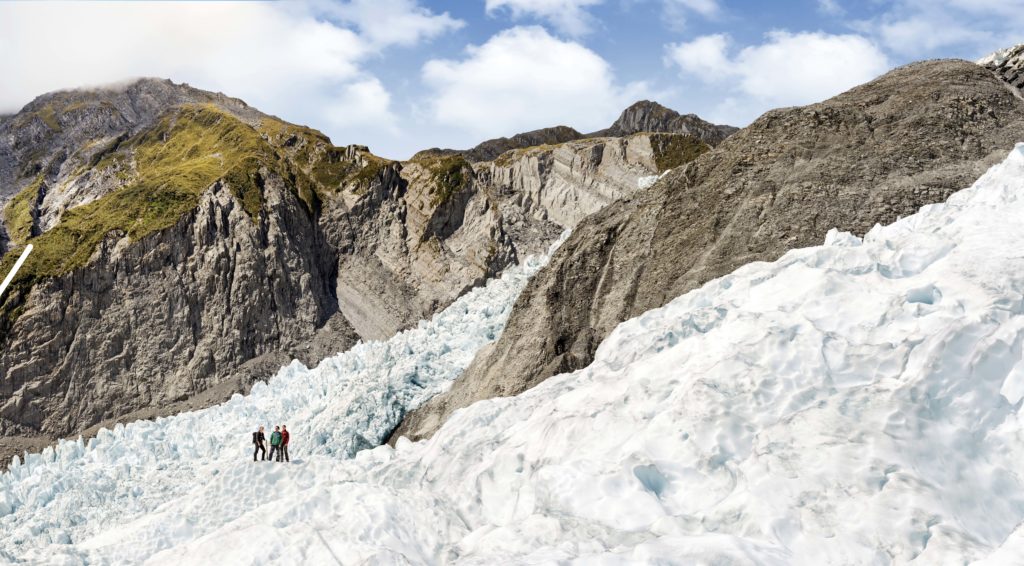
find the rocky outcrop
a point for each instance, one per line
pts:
(1007, 64)
(567, 182)
(475, 219)
(647, 116)
(641, 117)
(870, 155)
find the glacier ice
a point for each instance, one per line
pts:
(647, 181)
(852, 403)
(998, 57)
(347, 403)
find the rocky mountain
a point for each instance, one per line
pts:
(647, 116)
(641, 117)
(186, 245)
(875, 153)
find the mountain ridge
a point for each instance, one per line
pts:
(879, 151)
(187, 245)
(640, 117)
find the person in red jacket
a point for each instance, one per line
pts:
(284, 443)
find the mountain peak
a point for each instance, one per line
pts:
(641, 116)
(139, 99)
(649, 116)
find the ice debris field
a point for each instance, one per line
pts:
(853, 403)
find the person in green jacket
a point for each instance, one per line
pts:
(275, 444)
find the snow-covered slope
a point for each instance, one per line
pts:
(854, 403)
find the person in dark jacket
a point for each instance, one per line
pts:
(275, 443)
(258, 438)
(284, 442)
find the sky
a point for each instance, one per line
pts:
(404, 75)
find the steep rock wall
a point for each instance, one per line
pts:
(877, 152)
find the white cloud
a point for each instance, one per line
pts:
(914, 36)
(831, 7)
(295, 60)
(392, 22)
(522, 79)
(706, 57)
(920, 28)
(363, 103)
(568, 16)
(787, 69)
(677, 12)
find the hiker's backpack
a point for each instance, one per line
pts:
(255, 438)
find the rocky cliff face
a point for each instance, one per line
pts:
(187, 245)
(475, 219)
(155, 321)
(566, 182)
(877, 152)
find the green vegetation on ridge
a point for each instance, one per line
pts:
(449, 175)
(673, 150)
(18, 213)
(168, 167)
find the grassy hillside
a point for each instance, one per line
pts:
(166, 169)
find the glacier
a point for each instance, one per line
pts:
(349, 402)
(852, 403)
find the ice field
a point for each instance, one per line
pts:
(853, 403)
(349, 402)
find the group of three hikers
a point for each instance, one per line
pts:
(278, 444)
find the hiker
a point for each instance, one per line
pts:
(258, 438)
(284, 442)
(275, 444)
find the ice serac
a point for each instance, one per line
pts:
(870, 155)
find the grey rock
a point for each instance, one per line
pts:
(643, 116)
(648, 116)
(152, 322)
(870, 155)
(565, 183)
